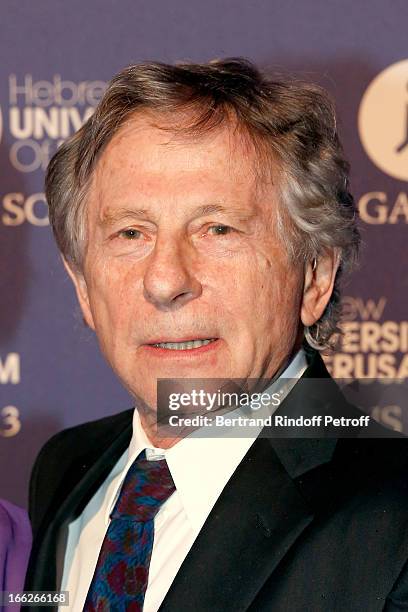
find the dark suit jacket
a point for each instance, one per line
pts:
(317, 525)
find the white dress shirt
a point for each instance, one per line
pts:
(200, 467)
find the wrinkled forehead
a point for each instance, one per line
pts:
(147, 140)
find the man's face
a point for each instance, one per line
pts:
(183, 246)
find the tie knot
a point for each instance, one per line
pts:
(147, 485)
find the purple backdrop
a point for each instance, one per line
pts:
(56, 57)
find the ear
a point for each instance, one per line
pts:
(82, 293)
(318, 287)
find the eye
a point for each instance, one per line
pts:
(220, 230)
(130, 234)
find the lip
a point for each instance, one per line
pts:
(184, 339)
(158, 351)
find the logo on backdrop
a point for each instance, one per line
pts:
(383, 120)
(10, 373)
(372, 346)
(42, 114)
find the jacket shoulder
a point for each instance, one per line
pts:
(67, 454)
(79, 439)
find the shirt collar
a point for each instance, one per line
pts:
(201, 466)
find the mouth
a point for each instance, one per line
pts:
(185, 346)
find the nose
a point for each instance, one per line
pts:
(169, 281)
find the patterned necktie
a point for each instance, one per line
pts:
(120, 578)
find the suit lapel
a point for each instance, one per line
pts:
(42, 566)
(267, 504)
(258, 517)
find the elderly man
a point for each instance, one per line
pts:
(204, 218)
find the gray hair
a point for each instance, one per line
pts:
(285, 120)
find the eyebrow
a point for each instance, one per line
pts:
(109, 216)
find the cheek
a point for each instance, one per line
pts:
(253, 277)
(277, 291)
(112, 298)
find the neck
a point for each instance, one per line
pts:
(149, 423)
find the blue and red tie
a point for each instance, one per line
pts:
(121, 574)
